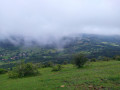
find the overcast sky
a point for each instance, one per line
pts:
(57, 18)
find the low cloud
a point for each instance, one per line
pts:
(49, 20)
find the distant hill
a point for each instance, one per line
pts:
(94, 46)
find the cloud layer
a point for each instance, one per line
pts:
(53, 19)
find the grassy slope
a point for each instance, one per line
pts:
(100, 75)
(1, 63)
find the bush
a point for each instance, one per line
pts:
(23, 70)
(79, 60)
(13, 74)
(93, 60)
(57, 67)
(2, 71)
(47, 64)
(106, 58)
(65, 62)
(117, 58)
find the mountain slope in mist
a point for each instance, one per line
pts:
(94, 46)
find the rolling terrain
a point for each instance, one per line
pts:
(102, 75)
(94, 46)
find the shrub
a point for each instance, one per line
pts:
(47, 64)
(65, 62)
(79, 60)
(39, 65)
(117, 58)
(106, 59)
(23, 70)
(57, 67)
(2, 71)
(13, 74)
(93, 60)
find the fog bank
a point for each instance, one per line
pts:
(46, 21)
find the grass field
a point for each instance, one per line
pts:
(94, 76)
(1, 63)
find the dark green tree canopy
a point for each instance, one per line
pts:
(79, 60)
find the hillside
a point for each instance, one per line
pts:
(94, 46)
(103, 75)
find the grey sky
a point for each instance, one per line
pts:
(56, 18)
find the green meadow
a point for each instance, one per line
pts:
(1, 63)
(101, 75)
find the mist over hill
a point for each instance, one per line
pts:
(52, 30)
(48, 21)
(56, 43)
(92, 45)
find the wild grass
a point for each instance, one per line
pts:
(103, 75)
(1, 63)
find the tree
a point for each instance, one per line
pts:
(79, 60)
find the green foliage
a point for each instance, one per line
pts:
(79, 60)
(93, 60)
(49, 64)
(114, 79)
(106, 58)
(65, 62)
(13, 74)
(57, 67)
(117, 58)
(23, 70)
(39, 65)
(2, 71)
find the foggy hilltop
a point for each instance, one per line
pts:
(88, 26)
(29, 42)
(51, 20)
(44, 30)
(19, 41)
